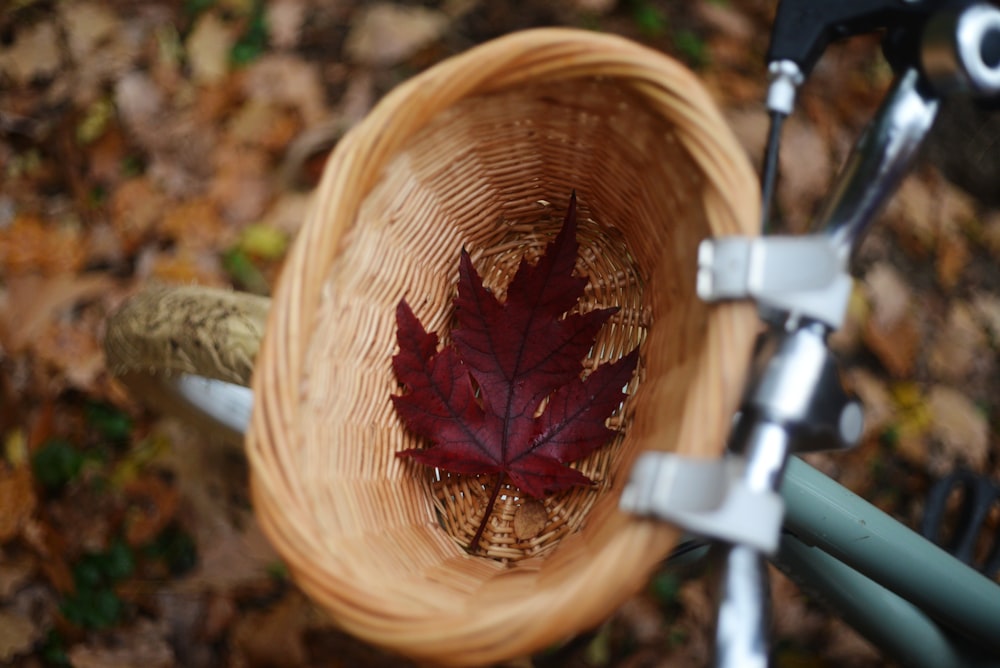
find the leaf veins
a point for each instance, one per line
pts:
(517, 353)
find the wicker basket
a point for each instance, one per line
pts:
(482, 152)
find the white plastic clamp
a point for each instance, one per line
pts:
(706, 497)
(801, 275)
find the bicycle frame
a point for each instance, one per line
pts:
(908, 596)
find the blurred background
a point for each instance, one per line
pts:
(178, 141)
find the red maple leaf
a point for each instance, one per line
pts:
(477, 399)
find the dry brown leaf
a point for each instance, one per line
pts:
(17, 500)
(196, 223)
(243, 185)
(952, 257)
(136, 208)
(879, 407)
(33, 54)
(143, 646)
(285, 19)
(18, 635)
(530, 519)
(911, 215)
(986, 308)
(73, 352)
(891, 331)
(263, 124)
(231, 547)
(386, 34)
(181, 265)
(275, 637)
(208, 48)
(726, 19)
(30, 244)
(287, 81)
(32, 303)
(957, 346)
(87, 24)
(153, 506)
(960, 428)
(16, 569)
(806, 170)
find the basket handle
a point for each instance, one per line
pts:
(189, 349)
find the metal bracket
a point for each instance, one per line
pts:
(706, 497)
(803, 275)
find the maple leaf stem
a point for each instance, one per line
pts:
(501, 478)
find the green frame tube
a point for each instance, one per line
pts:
(821, 513)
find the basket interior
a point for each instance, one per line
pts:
(493, 174)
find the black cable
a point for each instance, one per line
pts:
(769, 174)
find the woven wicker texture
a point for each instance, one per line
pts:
(482, 152)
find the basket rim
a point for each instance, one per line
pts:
(531, 56)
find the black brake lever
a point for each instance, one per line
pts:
(803, 29)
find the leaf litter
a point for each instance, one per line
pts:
(119, 129)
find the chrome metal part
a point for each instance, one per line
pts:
(742, 628)
(226, 403)
(796, 384)
(877, 164)
(786, 77)
(961, 50)
(741, 632)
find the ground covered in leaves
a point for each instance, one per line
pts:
(178, 141)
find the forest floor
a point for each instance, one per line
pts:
(178, 140)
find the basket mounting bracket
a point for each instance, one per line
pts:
(800, 276)
(707, 497)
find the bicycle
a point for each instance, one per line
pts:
(836, 543)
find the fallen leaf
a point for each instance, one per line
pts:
(387, 34)
(30, 244)
(87, 24)
(891, 331)
(960, 427)
(145, 645)
(18, 635)
(952, 257)
(136, 208)
(232, 549)
(986, 308)
(196, 224)
(912, 423)
(806, 171)
(726, 19)
(17, 500)
(263, 124)
(153, 506)
(139, 102)
(33, 303)
(911, 216)
(957, 346)
(530, 519)
(208, 48)
(285, 19)
(16, 569)
(478, 400)
(275, 637)
(34, 53)
(287, 81)
(878, 403)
